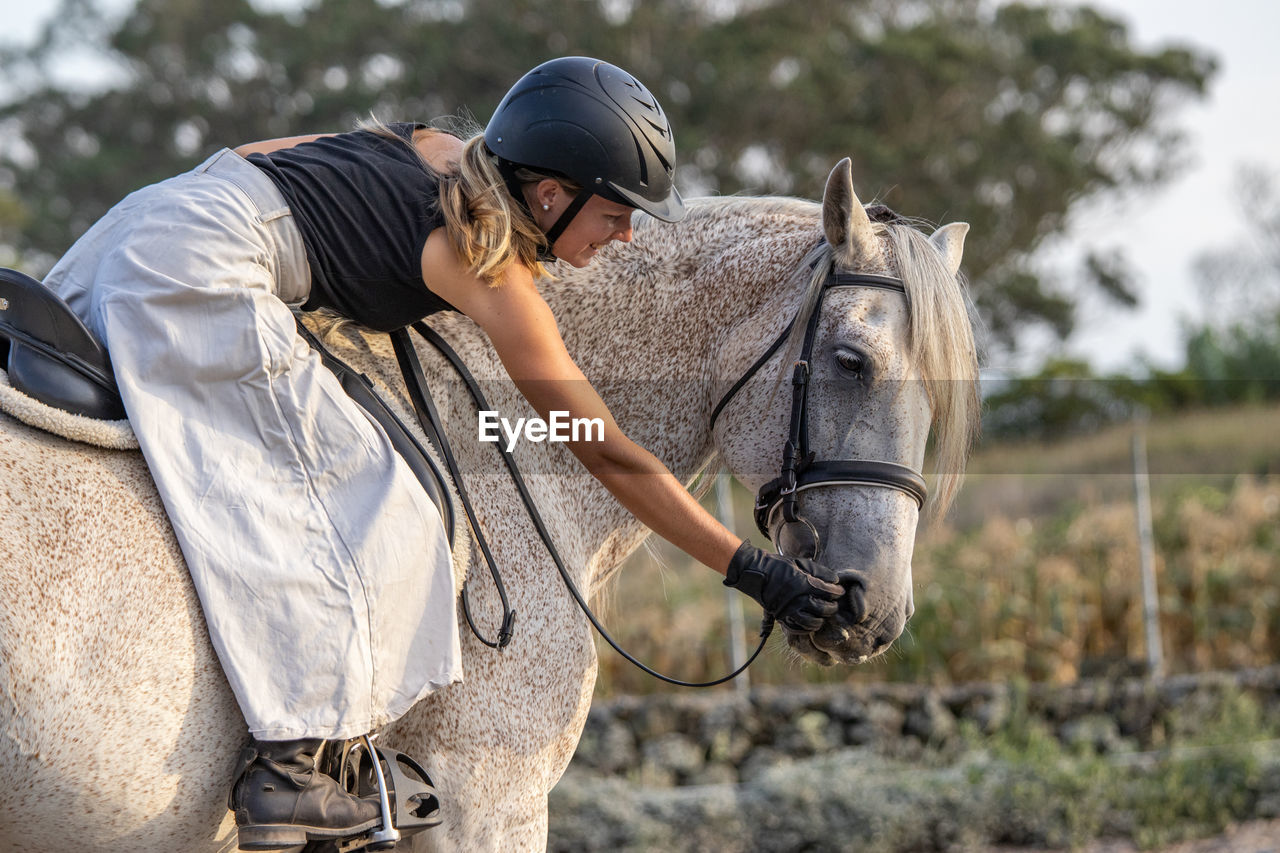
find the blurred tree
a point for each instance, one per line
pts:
(1225, 364)
(1236, 363)
(1240, 284)
(1004, 116)
(1063, 398)
(11, 216)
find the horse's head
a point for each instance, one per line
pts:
(883, 337)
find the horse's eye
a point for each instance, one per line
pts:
(850, 362)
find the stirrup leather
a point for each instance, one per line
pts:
(408, 800)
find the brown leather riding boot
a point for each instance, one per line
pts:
(281, 800)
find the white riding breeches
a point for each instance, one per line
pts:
(322, 567)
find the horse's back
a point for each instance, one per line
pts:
(106, 673)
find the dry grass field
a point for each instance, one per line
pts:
(1034, 574)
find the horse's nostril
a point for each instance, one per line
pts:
(852, 579)
(856, 600)
(855, 595)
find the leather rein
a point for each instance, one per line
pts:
(799, 470)
(415, 382)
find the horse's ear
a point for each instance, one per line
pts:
(846, 224)
(949, 241)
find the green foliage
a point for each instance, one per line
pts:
(1026, 782)
(1193, 797)
(1003, 116)
(1238, 364)
(1224, 366)
(1051, 794)
(1064, 397)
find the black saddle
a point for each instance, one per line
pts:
(51, 355)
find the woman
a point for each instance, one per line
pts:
(322, 568)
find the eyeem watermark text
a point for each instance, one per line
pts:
(560, 427)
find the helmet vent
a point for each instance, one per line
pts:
(643, 165)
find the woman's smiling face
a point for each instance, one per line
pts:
(597, 223)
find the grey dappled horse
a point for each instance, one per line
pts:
(117, 728)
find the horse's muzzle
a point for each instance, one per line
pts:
(854, 634)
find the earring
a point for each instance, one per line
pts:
(546, 207)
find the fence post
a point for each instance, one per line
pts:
(733, 599)
(1146, 548)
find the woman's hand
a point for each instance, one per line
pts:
(799, 593)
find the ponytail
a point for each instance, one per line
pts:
(487, 227)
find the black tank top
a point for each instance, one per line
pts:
(365, 206)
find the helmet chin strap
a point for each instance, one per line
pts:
(553, 233)
(508, 171)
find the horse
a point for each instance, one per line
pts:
(117, 728)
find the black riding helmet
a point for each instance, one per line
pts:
(595, 124)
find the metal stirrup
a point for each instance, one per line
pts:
(386, 837)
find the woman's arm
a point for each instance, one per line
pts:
(266, 146)
(524, 334)
(801, 594)
(439, 148)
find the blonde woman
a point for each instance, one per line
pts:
(322, 568)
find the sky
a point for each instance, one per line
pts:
(1164, 231)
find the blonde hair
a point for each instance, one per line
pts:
(488, 228)
(943, 346)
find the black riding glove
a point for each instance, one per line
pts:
(799, 593)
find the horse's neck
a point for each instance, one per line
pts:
(646, 324)
(630, 346)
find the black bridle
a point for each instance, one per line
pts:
(800, 471)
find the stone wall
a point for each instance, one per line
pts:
(681, 771)
(700, 738)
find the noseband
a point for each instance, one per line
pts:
(800, 471)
